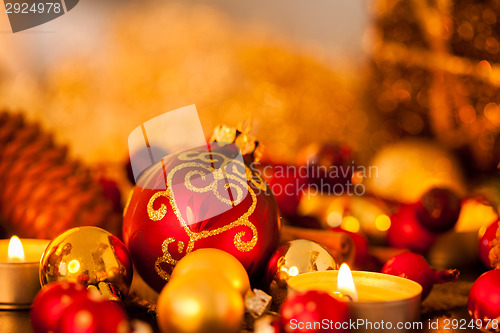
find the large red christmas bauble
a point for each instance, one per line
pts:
(484, 300)
(200, 198)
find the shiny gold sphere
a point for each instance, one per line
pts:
(217, 260)
(294, 258)
(200, 301)
(405, 170)
(88, 255)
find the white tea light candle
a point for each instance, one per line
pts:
(379, 297)
(19, 265)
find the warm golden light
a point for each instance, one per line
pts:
(383, 222)
(73, 266)
(345, 283)
(16, 252)
(293, 271)
(350, 223)
(334, 219)
(475, 214)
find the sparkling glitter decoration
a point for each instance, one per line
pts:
(436, 72)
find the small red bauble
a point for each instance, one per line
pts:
(304, 311)
(361, 246)
(485, 243)
(438, 209)
(51, 302)
(93, 316)
(414, 267)
(406, 232)
(484, 300)
(327, 165)
(111, 192)
(199, 199)
(286, 184)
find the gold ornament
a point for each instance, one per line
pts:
(198, 302)
(294, 258)
(215, 260)
(91, 256)
(405, 170)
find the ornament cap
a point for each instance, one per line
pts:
(251, 149)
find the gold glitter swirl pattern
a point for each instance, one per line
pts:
(166, 258)
(218, 175)
(256, 179)
(239, 180)
(160, 213)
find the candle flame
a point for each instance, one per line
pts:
(345, 283)
(16, 252)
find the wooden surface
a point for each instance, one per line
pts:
(15, 322)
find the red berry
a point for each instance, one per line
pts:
(485, 243)
(406, 232)
(51, 302)
(94, 316)
(414, 267)
(300, 312)
(438, 210)
(484, 299)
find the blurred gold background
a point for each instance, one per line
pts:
(365, 74)
(151, 57)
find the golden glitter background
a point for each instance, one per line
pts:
(431, 70)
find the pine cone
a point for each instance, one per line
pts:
(43, 192)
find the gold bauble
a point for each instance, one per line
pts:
(218, 260)
(200, 301)
(91, 256)
(294, 258)
(404, 171)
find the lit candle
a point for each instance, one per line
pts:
(374, 298)
(19, 265)
(345, 283)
